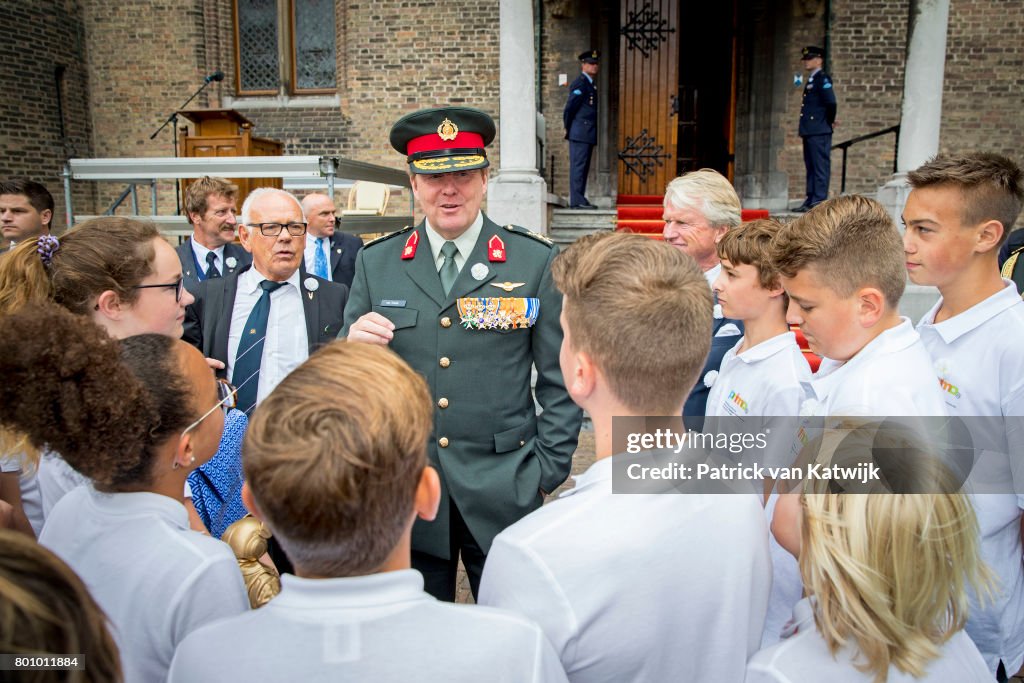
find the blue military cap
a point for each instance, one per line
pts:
(590, 56)
(811, 51)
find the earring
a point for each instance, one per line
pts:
(177, 465)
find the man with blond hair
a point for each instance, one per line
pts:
(210, 253)
(628, 585)
(700, 207)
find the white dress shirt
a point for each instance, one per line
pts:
(155, 579)
(979, 360)
(286, 344)
(200, 253)
(309, 256)
(638, 587)
(379, 627)
(804, 656)
(464, 242)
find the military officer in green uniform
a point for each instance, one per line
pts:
(471, 306)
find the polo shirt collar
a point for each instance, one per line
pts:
(768, 348)
(138, 503)
(891, 341)
(372, 590)
(953, 328)
(465, 242)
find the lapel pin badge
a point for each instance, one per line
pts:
(231, 262)
(478, 271)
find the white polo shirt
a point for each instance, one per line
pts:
(287, 342)
(979, 360)
(638, 587)
(155, 579)
(803, 655)
(891, 375)
(380, 627)
(764, 380)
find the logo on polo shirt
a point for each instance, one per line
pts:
(949, 388)
(738, 401)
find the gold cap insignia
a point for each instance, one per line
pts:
(447, 130)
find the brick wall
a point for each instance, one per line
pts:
(983, 97)
(40, 37)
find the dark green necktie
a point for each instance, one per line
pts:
(449, 272)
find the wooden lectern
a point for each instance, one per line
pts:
(226, 133)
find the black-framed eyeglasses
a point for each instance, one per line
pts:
(274, 229)
(178, 286)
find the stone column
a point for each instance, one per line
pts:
(920, 119)
(921, 114)
(517, 194)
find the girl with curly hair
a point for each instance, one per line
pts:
(135, 416)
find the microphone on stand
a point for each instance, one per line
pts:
(215, 76)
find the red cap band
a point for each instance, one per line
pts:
(433, 141)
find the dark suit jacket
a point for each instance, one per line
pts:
(497, 451)
(580, 114)
(188, 262)
(343, 250)
(697, 401)
(208, 319)
(818, 108)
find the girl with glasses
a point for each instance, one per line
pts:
(135, 416)
(120, 273)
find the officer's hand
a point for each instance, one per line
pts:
(215, 364)
(372, 328)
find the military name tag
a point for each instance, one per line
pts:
(393, 303)
(498, 313)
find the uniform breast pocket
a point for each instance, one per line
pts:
(401, 317)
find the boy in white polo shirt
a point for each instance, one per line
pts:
(758, 387)
(957, 216)
(842, 266)
(761, 375)
(635, 587)
(336, 464)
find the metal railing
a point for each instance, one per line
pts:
(305, 172)
(853, 141)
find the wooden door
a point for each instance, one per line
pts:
(648, 78)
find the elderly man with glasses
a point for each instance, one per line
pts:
(264, 320)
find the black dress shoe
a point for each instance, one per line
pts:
(585, 206)
(803, 208)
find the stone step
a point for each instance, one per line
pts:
(582, 218)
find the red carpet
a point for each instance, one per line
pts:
(642, 214)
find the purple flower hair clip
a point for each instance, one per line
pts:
(46, 246)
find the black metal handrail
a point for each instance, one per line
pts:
(853, 141)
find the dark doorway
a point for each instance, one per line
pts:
(707, 86)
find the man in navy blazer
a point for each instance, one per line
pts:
(700, 207)
(580, 120)
(219, 310)
(338, 249)
(211, 250)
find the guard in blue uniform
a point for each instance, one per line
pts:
(817, 114)
(580, 119)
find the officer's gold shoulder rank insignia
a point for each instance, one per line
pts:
(385, 238)
(519, 230)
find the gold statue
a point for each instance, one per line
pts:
(248, 539)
